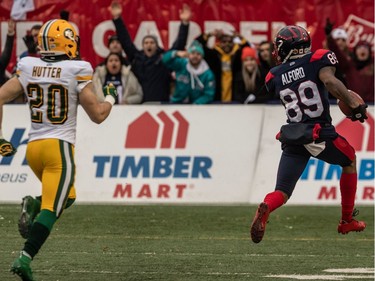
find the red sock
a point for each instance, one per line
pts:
(348, 188)
(274, 200)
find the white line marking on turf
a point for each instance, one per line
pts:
(106, 252)
(350, 270)
(322, 277)
(246, 274)
(361, 270)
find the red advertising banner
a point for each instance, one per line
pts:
(255, 20)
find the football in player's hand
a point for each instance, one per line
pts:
(345, 108)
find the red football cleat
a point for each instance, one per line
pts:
(258, 226)
(354, 225)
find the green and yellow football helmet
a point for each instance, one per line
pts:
(58, 38)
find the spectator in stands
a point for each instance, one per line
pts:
(358, 69)
(266, 60)
(195, 82)
(153, 75)
(31, 42)
(363, 82)
(7, 52)
(340, 37)
(113, 71)
(114, 46)
(248, 80)
(362, 55)
(224, 60)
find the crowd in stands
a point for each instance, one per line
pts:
(233, 70)
(356, 67)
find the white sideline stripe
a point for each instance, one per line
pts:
(350, 270)
(339, 239)
(197, 254)
(323, 277)
(297, 277)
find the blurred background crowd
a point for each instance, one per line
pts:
(232, 70)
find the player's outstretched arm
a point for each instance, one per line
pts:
(96, 110)
(8, 92)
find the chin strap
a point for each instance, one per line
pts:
(289, 56)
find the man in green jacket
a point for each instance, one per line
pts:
(195, 82)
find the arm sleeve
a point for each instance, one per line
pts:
(208, 92)
(202, 39)
(125, 39)
(181, 39)
(171, 61)
(209, 54)
(324, 58)
(84, 75)
(7, 53)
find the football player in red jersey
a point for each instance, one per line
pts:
(302, 80)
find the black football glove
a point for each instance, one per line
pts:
(329, 26)
(6, 148)
(64, 15)
(30, 44)
(359, 113)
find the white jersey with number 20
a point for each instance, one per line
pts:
(52, 90)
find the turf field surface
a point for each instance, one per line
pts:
(169, 242)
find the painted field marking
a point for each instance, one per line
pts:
(351, 270)
(363, 273)
(322, 277)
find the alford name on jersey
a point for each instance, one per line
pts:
(292, 75)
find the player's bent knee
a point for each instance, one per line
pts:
(350, 169)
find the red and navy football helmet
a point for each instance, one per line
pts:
(291, 42)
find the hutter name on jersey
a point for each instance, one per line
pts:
(46, 71)
(292, 75)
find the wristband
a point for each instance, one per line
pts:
(110, 99)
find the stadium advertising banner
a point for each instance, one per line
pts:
(186, 154)
(169, 154)
(255, 20)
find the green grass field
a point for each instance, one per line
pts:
(168, 242)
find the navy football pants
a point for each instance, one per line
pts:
(294, 159)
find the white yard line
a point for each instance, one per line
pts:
(323, 277)
(364, 273)
(350, 270)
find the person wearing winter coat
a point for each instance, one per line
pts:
(113, 71)
(224, 59)
(152, 74)
(195, 82)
